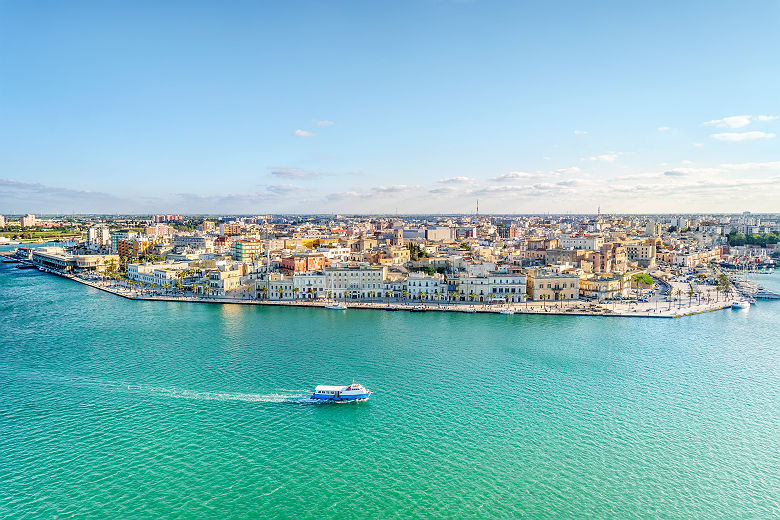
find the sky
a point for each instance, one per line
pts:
(424, 106)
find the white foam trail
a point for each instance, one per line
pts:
(178, 393)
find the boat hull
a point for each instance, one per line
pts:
(355, 397)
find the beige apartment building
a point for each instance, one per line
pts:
(543, 285)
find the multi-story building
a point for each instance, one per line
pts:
(425, 286)
(207, 226)
(507, 232)
(604, 287)
(641, 253)
(246, 250)
(196, 242)
(98, 236)
(224, 279)
(2, 221)
(116, 236)
(134, 247)
(229, 228)
(354, 281)
(301, 263)
(581, 242)
(28, 220)
(543, 285)
(159, 274)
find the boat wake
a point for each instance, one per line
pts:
(178, 393)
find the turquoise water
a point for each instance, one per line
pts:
(120, 409)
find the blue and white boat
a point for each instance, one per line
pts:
(353, 392)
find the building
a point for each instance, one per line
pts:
(159, 274)
(604, 287)
(641, 253)
(229, 228)
(116, 236)
(246, 250)
(581, 242)
(354, 281)
(439, 234)
(2, 221)
(224, 279)
(134, 247)
(424, 286)
(508, 232)
(301, 263)
(542, 285)
(98, 237)
(28, 220)
(207, 226)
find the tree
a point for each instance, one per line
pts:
(405, 295)
(526, 297)
(296, 290)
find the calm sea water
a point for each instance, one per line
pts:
(112, 408)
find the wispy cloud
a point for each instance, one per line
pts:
(580, 132)
(456, 180)
(303, 133)
(324, 123)
(566, 171)
(514, 177)
(770, 165)
(605, 157)
(293, 173)
(742, 136)
(663, 128)
(737, 121)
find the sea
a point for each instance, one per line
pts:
(113, 408)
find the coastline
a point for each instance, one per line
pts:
(575, 308)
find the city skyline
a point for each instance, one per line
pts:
(190, 108)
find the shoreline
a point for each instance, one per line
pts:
(574, 308)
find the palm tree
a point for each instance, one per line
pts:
(296, 292)
(405, 295)
(491, 296)
(437, 295)
(388, 294)
(281, 291)
(179, 286)
(473, 296)
(526, 297)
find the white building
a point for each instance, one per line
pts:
(581, 242)
(98, 237)
(354, 281)
(427, 286)
(28, 220)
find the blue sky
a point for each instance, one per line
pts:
(418, 106)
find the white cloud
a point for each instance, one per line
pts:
(564, 171)
(737, 121)
(580, 132)
(293, 173)
(456, 180)
(742, 136)
(771, 165)
(513, 176)
(324, 122)
(605, 157)
(663, 128)
(303, 133)
(729, 122)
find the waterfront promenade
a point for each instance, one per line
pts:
(707, 302)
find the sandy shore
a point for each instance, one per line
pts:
(675, 309)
